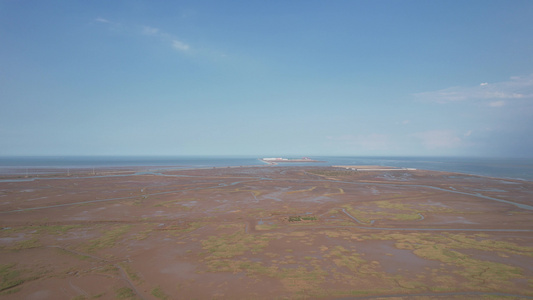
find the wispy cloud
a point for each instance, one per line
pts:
(519, 87)
(149, 31)
(172, 40)
(180, 45)
(102, 20)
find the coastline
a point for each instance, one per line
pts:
(516, 169)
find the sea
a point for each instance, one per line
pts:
(512, 168)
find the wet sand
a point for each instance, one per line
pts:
(269, 232)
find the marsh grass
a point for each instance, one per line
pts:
(10, 277)
(346, 258)
(333, 211)
(397, 211)
(190, 227)
(22, 245)
(144, 234)
(159, 293)
(124, 293)
(266, 226)
(474, 271)
(107, 269)
(39, 229)
(332, 173)
(109, 238)
(301, 279)
(303, 191)
(340, 192)
(458, 270)
(129, 271)
(69, 253)
(175, 203)
(402, 212)
(297, 279)
(230, 245)
(254, 192)
(480, 242)
(56, 229)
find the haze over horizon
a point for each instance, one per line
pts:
(314, 78)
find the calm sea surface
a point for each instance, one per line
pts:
(494, 167)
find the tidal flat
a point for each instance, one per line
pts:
(270, 232)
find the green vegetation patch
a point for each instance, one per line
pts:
(10, 277)
(303, 278)
(458, 270)
(333, 173)
(303, 191)
(462, 241)
(26, 244)
(124, 293)
(230, 245)
(41, 229)
(300, 218)
(158, 293)
(345, 258)
(403, 213)
(57, 229)
(131, 274)
(190, 227)
(475, 272)
(109, 238)
(266, 226)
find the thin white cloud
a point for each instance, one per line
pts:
(518, 87)
(180, 45)
(102, 20)
(166, 37)
(150, 31)
(147, 30)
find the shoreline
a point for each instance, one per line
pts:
(84, 169)
(102, 172)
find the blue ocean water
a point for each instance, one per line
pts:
(494, 167)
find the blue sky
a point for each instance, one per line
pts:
(266, 78)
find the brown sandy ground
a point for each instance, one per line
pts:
(269, 232)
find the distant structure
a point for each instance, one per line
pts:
(374, 168)
(274, 160)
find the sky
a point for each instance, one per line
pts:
(267, 78)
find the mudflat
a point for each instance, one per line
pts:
(271, 232)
